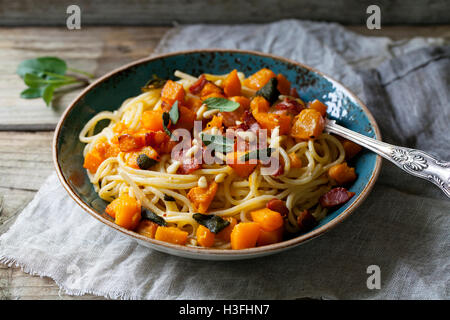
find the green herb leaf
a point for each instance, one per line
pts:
(217, 142)
(144, 162)
(43, 75)
(269, 91)
(41, 65)
(221, 104)
(166, 121)
(32, 93)
(259, 154)
(174, 113)
(168, 198)
(154, 83)
(214, 223)
(47, 95)
(153, 217)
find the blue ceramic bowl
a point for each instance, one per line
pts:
(108, 93)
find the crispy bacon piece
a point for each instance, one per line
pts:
(290, 105)
(249, 121)
(335, 197)
(188, 165)
(198, 85)
(294, 93)
(306, 221)
(278, 206)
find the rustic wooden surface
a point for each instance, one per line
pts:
(26, 125)
(157, 12)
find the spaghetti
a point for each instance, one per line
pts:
(159, 191)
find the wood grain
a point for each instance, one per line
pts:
(154, 12)
(97, 50)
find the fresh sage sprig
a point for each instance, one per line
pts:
(214, 223)
(221, 104)
(217, 143)
(45, 74)
(170, 117)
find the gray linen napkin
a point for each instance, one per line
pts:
(403, 226)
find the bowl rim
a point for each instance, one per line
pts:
(204, 252)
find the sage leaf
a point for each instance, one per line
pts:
(221, 104)
(269, 91)
(154, 83)
(166, 121)
(47, 94)
(174, 113)
(217, 142)
(41, 65)
(214, 223)
(153, 217)
(32, 93)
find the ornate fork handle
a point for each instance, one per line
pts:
(415, 162)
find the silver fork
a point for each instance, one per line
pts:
(415, 162)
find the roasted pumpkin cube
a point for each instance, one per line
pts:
(201, 198)
(308, 124)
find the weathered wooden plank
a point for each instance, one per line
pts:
(25, 159)
(96, 50)
(153, 12)
(25, 162)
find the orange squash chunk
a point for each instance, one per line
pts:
(92, 161)
(351, 149)
(232, 84)
(152, 120)
(244, 235)
(205, 238)
(210, 90)
(342, 173)
(319, 106)
(130, 142)
(259, 104)
(270, 121)
(296, 162)
(257, 80)
(243, 101)
(242, 169)
(308, 124)
(126, 211)
(120, 127)
(193, 103)
(215, 122)
(225, 233)
(186, 119)
(201, 198)
(147, 228)
(171, 92)
(101, 151)
(269, 237)
(171, 234)
(284, 86)
(269, 220)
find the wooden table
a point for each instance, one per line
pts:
(26, 126)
